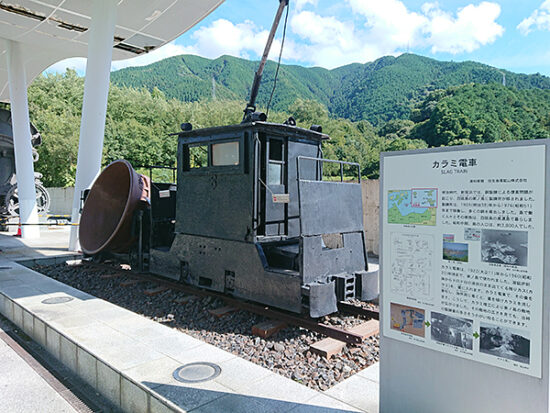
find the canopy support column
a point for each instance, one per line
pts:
(20, 123)
(94, 107)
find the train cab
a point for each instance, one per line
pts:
(259, 214)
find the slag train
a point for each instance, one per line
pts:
(250, 215)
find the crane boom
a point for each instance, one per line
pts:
(251, 106)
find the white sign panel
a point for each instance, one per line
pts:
(463, 235)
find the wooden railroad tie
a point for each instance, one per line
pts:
(368, 329)
(154, 291)
(130, 282)
(329, 347)
(109, 276)
(222, 311)
(185, 299)
(267, 328)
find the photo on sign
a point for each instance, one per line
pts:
(504, 342)
(504, 247)
(412, 207)
(455, 331)
(412, 263)
(407, 319)
(455, 251)
(472, 234)
(449, 237)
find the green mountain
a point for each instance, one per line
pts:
(479, 114)
(379, 91)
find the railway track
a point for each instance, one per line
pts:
(297, 320)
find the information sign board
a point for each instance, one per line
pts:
(463, 255)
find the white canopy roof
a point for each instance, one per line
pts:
(52, 30)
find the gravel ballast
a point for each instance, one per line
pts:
(286, 353)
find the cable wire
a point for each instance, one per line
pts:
(279, 62)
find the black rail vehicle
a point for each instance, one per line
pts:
(250, 216)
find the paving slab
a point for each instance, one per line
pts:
(371, 373)
(239, 374)
(243, 403)
(358, 392)
(51, 244)
(324, 404)
(192, 396)
(22, 389)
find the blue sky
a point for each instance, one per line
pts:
(508, 34)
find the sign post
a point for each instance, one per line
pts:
(464, 304)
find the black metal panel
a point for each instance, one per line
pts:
(215, 206)
(271, 128)
(330, 207)
(164, 262)
(295, 149)
(367, 285)
(322, 299)
(274, 212)
(163, 214)
(345, 286)
(236, 268)
(319, 262)
(216, 202)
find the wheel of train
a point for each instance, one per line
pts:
(42, 200)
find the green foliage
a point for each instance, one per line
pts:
(139, 124)
(55, 103)
(145, 106)
(482, 113)
(378, 92)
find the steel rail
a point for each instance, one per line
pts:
(352, 309)
(267, 311)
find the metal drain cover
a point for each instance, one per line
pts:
(197, 372)
(57, 300)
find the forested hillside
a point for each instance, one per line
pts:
(476, 114)
(139, 122)
(379, 91)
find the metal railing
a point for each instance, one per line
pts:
(151, 168)
(319, 167)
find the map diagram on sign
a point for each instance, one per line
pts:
(417, 206)
(412, 265)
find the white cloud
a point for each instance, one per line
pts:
(389, 22)
(373, 29)
(244, 40)
(300, 4)
(224, 37)
(539, 19)
(473, 27)
(388, 28)
(330, 42)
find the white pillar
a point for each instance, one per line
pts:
(94, 107)
(22, 140)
